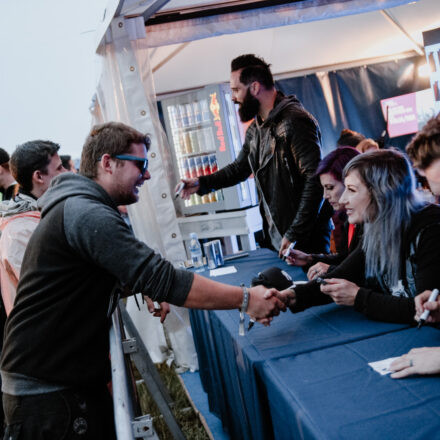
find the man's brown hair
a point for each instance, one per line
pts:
(424, 147)
(111, 138)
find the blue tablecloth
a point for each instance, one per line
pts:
(334, 394)
(228, 362)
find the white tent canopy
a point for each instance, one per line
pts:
(325, 35)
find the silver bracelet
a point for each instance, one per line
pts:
(243, 309)
(245, 303)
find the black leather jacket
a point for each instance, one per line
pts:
(283, 153)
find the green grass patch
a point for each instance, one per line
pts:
(184, 413)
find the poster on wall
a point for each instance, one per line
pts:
(407, 114)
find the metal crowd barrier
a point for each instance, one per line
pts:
(128, 426)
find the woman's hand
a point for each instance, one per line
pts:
(298, 258)
(422, 303)
(317, 270)
(343, 292)
(424, 360)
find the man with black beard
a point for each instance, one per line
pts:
(282, 150)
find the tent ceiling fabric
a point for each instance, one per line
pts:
(258, 19)
(297, 47)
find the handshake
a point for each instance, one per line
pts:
(265, 303)
(273, 293)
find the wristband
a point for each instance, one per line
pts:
(245, 303)
(243, 309)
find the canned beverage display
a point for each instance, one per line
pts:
(199, 166)
(212, 197)
(213, 163)
(194, 141)
(205, 199)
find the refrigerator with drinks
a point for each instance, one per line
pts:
(205, 134)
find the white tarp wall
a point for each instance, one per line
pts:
(125, 93)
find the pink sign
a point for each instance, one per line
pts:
(401, 114)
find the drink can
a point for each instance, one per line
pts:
(183, 116)
(205, 199)
(199, 166)
(172, 115)
(197, 112)
(186, 170)
(214, 254)
(205, 110)
(209, 140)
(205, 165)
(194, 141)
(190, 114)
(213, 163)
(212, 197)
(187, 142)
(219, 195)
(201, 140)
(192, 167)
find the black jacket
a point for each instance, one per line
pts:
(283, 153)
(58, 329)
(419, 271)
(343, 250)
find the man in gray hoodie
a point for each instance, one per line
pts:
(81, 258)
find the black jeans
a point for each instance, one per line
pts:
(60, 415)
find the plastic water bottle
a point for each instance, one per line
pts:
(195, 251)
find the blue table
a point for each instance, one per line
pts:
(230, 365)
(334, 394)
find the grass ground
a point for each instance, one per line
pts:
(187, 418)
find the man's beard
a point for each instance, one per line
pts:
(249, 108)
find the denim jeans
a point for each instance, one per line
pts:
(60, 415)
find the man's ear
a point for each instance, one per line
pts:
(106, 163)
(255, 88)
(37, 177)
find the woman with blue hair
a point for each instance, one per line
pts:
(399, 254)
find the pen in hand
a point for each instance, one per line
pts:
(425, 314)
(179, 189)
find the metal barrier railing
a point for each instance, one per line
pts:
(122, 400)
(129, 427)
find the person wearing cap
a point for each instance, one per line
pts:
(8, 185)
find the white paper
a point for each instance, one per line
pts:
(301, 282)
(383, 366)
(222, 271)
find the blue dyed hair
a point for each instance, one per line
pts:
(391, 182)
